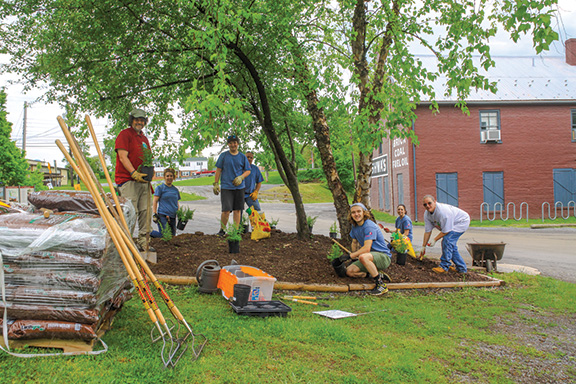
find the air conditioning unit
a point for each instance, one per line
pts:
(493, 135)
(482, 136)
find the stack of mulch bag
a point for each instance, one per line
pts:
(63, 277)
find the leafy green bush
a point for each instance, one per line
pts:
(311, 175)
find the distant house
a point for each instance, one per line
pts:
(53, 175)
(514, 153)
(188, 168)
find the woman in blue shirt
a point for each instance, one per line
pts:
(165, 203)
(403, 222)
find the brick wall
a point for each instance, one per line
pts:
(535, 140)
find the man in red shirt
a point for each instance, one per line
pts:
(130, 146)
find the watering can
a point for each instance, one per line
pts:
(207, 276)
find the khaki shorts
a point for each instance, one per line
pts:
(381, 260)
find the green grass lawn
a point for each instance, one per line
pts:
(410, 337)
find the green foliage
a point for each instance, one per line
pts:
(147, 156)
(166, 232)
(13, 165)
(334, 228)
(234, 233)
(311, 220)
(212, 163)
(273, 222)
(311, 175)
(184, 213)
(335, 252)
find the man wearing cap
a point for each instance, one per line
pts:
(452, 223)
(130, 146)
(232, 167)
(253, 183)
(368, 249)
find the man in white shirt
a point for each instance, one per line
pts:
(452, 222)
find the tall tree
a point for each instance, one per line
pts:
(13, 165)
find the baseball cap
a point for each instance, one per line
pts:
(233, 138)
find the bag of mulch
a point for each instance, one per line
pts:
(260, 227)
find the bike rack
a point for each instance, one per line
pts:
(496, 205)
(561, 205)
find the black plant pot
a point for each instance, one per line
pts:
(181, 224)
(333, 235)
(401, 258)
(149, 171)
(339, 267)
(310, 228)
(246, 227)
(233, 246)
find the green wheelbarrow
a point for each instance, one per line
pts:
(486, 254)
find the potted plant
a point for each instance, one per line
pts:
(147, 167)
(310, 220)
(335, 257)
(184, 214)
(166, 232)
(273, 223)
(233, 236)
(244, 223)
(333, 230)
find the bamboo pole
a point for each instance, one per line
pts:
(123, 256)
(106, 173)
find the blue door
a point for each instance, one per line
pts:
(386, 194)
(564, 185)
(447, 188)
(493, 186)
(380, 194)
(400, 180)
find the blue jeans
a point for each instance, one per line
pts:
(450, 252)
(250, 203)
(161, 224)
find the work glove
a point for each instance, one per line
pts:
(431, 243)
(254, 195)
(237, 181)
(216, 188)
(139, 177)
(155, 218)
(387, 230)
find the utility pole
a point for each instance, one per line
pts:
(24, 128)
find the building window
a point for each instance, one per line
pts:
(400, 186)
(186, 173)
(574, 125)
(447, 188)
(490, 126)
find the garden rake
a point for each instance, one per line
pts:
(180, 341)
(124, 247)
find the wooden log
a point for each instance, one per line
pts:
(281, 285)
(177, 280)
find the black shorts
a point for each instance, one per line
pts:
(232, 200)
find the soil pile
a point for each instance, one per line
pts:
(286, 258)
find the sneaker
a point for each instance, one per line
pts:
(221, 233)
(380, 289)
(439, 270)
(452, 268)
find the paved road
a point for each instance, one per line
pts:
(551, 251)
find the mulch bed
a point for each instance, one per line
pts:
(286, 258)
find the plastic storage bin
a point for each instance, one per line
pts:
(261, 283)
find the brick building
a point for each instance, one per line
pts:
(514, 154)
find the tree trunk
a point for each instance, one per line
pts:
(279, 154)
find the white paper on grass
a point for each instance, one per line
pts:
(336, 314)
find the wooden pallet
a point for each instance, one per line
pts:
(65, 345)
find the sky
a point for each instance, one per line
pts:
(43, 129)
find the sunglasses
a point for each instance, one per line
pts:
(427, 204)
